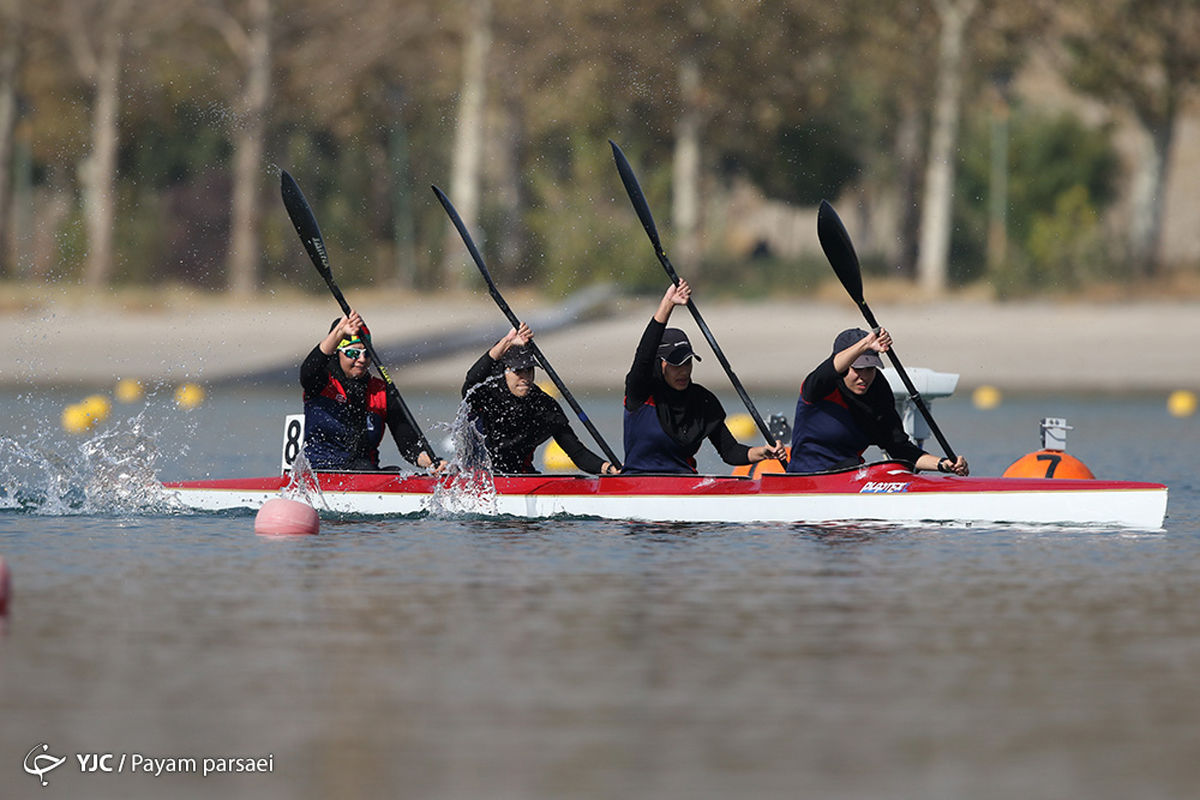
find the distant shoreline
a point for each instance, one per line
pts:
(1141, 347)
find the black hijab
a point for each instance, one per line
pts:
(687, 415)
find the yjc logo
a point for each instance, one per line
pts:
(38, 765)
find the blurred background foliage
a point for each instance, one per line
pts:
(782, 102)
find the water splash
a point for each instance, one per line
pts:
(302, 484)
(470, 490)
(111, 472)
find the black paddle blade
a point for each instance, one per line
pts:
(839, 250)
(634, 190)
(306, 224)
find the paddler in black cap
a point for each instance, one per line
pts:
(345, 408)
(844, 407)
(513, 413)
(667, 416)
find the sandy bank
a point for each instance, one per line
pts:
(1142, 346)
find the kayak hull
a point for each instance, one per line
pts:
(883, 492)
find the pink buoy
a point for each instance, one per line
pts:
(5, 587)
(283, 517)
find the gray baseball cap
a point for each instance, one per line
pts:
(852, 336)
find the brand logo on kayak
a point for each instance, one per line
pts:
(38, 765)
(884, 487)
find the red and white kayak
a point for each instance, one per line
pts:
(884, 492)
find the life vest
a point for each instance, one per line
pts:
(825, 435)
(648, 448)
(333, 438)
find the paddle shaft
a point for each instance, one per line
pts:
(839, 250)
(908, 384)
(642, 208)
(544, 362)
(305, 222)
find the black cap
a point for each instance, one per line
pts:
(518, 357)
(675, 348)
(850, 337)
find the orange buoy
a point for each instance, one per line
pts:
(762, 467)
(1048, 464)
(5, 587)
(1052, 461)
(283, 517)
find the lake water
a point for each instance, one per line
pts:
(473, 658)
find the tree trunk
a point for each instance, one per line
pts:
(250, 133)
(1146, 197)
(10, 37)
(98, 172)
(934, 247)
(505, 177)
(468, 142)
(908, 169)
(685, 197)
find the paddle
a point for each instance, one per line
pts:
(835, 241)
(643, 211)
(516, 323)
(310, 234)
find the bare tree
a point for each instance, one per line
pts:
(1144, 57)
(10, 43)
(685, 198)
(934, 246)
(466, 163)
(249, 39)
(96, 33)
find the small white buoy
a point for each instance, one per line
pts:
(283, 517)
(5, 587)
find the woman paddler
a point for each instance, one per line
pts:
(843, 408)
(513, 413)
(345, 408)
(667, 416)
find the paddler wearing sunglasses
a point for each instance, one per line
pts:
(346, 408)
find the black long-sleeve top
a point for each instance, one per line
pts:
(513, 427)
(687, 417)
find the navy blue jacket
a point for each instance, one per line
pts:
(833, 426)
(649, 447)
(344, 420)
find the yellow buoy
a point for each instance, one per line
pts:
(189, 395)
(742, 426)
(549, 388)
(985, 398)
(555, 459)
(75, 418)
(97, 406)
(128, 390)
(1181, 403)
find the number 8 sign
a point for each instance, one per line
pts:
(293, 438)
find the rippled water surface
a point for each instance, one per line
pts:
(485, 658)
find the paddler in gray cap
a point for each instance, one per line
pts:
(844, 408)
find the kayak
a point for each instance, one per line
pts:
(885, 491)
